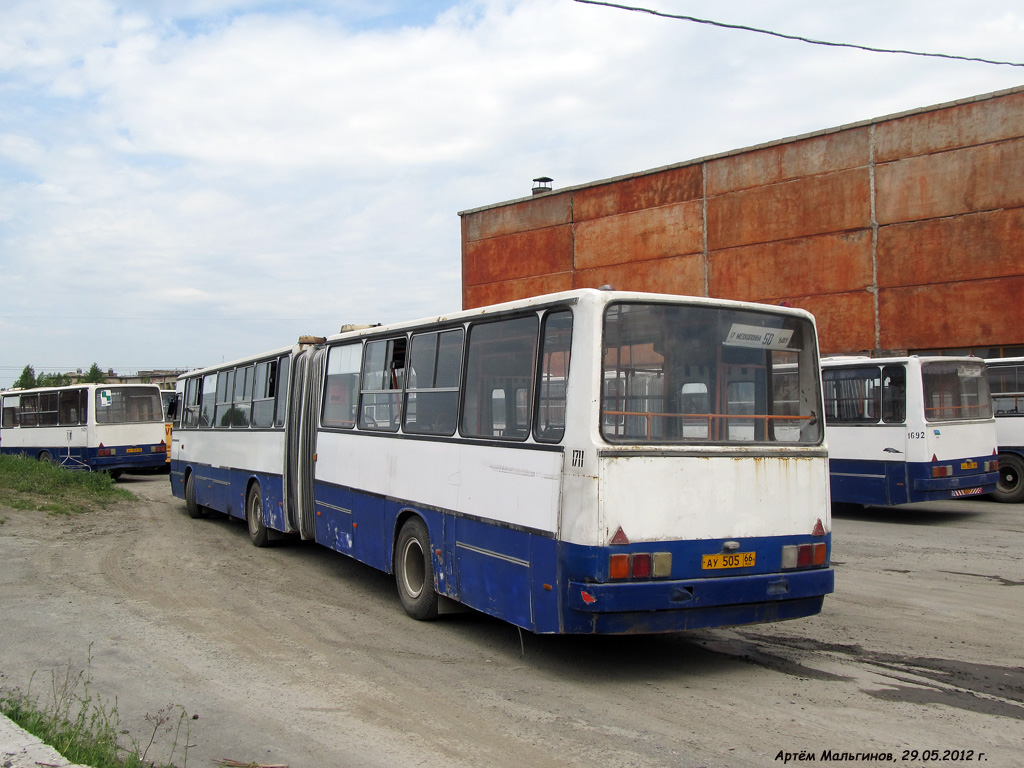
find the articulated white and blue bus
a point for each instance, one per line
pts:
(109, 427)
(908, 429)
(583, 462)
(1006, 380)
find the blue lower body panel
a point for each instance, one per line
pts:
(889, 483)
(125, 458)
(532, 580)
(224, 490)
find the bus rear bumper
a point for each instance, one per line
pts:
(688, 594)
(976, 484)
(148, 456)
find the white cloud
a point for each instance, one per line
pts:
(217, 178)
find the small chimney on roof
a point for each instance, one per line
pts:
(542, 184)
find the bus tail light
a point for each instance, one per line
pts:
(640, 565)
(662, 565)
(992, 466)
(618, 567)
(943, 471)
(105, 451)
(803, 555)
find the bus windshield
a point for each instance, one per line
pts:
(128, 405)
(679, 374)
(956, 391)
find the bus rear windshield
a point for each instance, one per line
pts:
(128, 405)
(694, 374)
(956, 391)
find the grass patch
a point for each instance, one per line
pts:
(87, 730)
(38, 485)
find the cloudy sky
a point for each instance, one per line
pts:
(184, 182)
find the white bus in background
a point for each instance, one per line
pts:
(1006, 380)
(908, 429)
(582, 462)
(109, 427)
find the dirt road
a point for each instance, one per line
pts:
(297, 655)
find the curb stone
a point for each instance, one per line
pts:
(20, 749)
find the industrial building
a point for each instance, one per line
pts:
(902, 233)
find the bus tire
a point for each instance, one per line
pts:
(45, 456)
(258, 531)
(1010, 486)
(414, 571)
(194, 510)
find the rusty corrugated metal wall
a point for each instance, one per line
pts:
(904, 232)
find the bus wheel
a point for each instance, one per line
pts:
(194, 510)
(1010, 486)
(414, 571)
(258, 531)
(45, 456)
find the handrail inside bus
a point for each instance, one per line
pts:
(696, 418)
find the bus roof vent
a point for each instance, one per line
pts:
(349, 327)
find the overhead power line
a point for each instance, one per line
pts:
(798, 38)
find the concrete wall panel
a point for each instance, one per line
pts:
(905, 232)
(960, 181)
(833, 263)
(654, 233)
(547, 210)
(521, 255)
(683, 275)
(978, 122)
(808, 206)
(978, 313)
(817, 155)
(969, 247)
(675, 185)
(846, 321)
(496, 293)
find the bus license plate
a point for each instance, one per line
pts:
(969, 465)
(133, 450)
(732, 560)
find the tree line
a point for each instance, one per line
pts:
(28, 378)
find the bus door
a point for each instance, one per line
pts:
(895, 443)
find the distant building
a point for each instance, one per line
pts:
(901, 233)
(165, 379)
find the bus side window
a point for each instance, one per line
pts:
(341, 390)
(554, 376)
(499, 378)
(894, 394)
(208, 400)
(190, 407)
(71, 407)
(29, 410)
(48, 409)
(852, 395)
(380, 402)
(263, 394)
(241, 402)
(432, 396)
(10, 412)
(222, 413)
(280, 386)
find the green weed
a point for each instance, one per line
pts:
(38, 485)
(87, 730)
